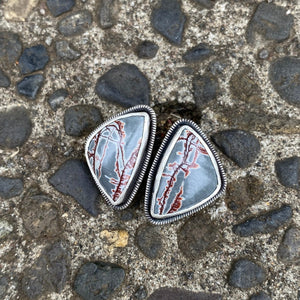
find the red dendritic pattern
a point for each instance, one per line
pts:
(191, 148)
(114, 134)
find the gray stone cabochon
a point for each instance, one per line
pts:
(115, 153)
(188, 175)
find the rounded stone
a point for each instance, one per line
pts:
(10, 187)
(125, 85)
(149, 241)
(246, 274)
(10, 48)
(76, 23)
(81, 119)
(98, 280)
(66, 51)
(239, 145)
(15, 127)
(284, 74)
(33, 59)
(198, 53)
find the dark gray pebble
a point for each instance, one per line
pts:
(30, 85)
(197, 236)
(168, 293)
(147, 49)
(271, 21)
(73, 178)
(98, 280)
(3, 285)
(140, 293)
(33, 59)
(10, 187)
(105, 14)
(125, 85)
(288, 172)
(4, 79)
(289, 248)
(149, 241)
(205, 89)
(59, 7)
(10, 48)
(15, 127)
(81, 119)
(240, 146)
(197, 53)
(57, 98)
(260, 296)
(246, 274)
(66, 51)
(264, 223)
(40, 216)
(169, 20)
(284, 74)
(49, 273)
(76, 23)
(205, 3)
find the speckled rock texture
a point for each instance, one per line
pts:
(230, 66)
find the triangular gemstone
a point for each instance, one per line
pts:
(186, 175)
(118, 152)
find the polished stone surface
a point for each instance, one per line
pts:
(113, 152)
(186, 178)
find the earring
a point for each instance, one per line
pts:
(186, 175)
(118, 152)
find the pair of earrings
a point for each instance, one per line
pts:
(186, 174)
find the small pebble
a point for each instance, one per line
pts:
(263, 54)
(147, 49)
(246, 274)
(105, 14)
(98, 280)
(66, 51)
(289, 248)
(10, 48)
(205, 3)
(169, 20)
(81, 119)
(73, 178)
(15, 127)
(125, 85)
(30, 85)
(76, 23)
(57, 98)
(284, 74)
(33, 59)
(4, 79)
(240, 146)
(198, 53)
(149, 241)
(10, 187)
(59, 7)
(264, 223)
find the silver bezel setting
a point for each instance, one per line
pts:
(143, 160)
(153, 174)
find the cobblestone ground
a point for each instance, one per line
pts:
(231, 66)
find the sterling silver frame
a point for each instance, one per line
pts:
(154, 169)
(142, 163)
